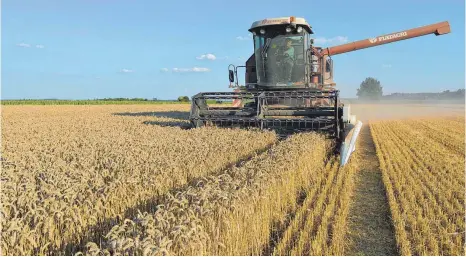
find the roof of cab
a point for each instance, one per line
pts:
(281, 21)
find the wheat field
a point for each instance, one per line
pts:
(228, 214)
(69, 173)
(133, 180)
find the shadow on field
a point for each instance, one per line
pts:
(183, 125)
(170, 114)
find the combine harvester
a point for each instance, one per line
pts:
(289, 84)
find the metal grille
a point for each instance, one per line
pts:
(283, 111)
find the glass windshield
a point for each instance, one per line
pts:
(279, 59)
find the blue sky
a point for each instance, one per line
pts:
(102, 48)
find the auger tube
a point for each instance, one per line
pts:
(347, 150)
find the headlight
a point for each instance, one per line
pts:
(288, 29)
(262, 31)
(299, 29)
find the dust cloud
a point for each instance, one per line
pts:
(391, 111)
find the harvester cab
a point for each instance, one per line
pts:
(289, 84)
(283, 57)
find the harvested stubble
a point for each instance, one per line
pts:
(422, 163)
(229, 214)
(68, 172)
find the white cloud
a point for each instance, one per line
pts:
(198, 69)
(23, 45)
(386, 66)
(330, 41)
(207, 56)
(164, 69)
(126, 71)
(194, 69)
(29, 45)
(248, 37)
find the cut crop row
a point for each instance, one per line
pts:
(425, 186)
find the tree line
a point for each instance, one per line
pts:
(371, 89)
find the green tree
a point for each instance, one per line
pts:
(370, 88)
(183, 99)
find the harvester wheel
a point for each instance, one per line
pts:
(197, 124)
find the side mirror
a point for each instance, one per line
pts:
(328, 66)
(312, 41)
(231, 75)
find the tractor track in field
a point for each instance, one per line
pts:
(370, 231)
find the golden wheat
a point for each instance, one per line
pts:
(129, 180)
(232, 213)
(69, 173)
(318, 226)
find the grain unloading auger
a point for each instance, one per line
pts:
(289, 84)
